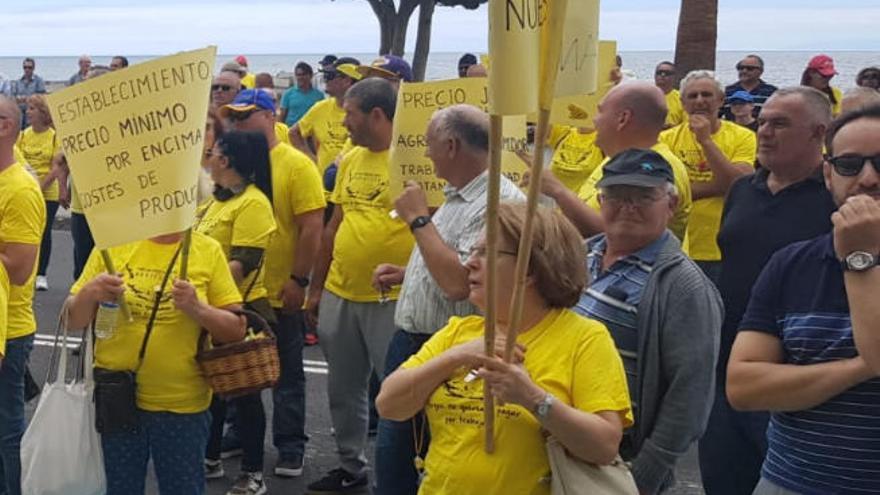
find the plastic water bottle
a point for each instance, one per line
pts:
(105, 320)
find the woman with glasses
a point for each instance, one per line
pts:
(39, 144)
(566, 377)
(869, 77)
(240, 218)
(818, 74)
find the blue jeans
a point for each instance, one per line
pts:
(395, 447)
(289, 396)
(175, 443)
(83, 242)
(46, 243)
(12, 422)
(732, 449)
(250, 427)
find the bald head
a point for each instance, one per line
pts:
(646, 102)
(10, 122)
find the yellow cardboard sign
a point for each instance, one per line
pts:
(578, 62)
(579, 110)
(133, 140)
(514, 41)
(416, 104)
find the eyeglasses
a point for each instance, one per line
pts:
(480, 252)
(664, 73)
(631, 197)
(852, 165)
(239, 116)
(742, 67)
(220, 87)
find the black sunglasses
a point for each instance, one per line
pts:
(851, 165)
(238, 116)
(747, 67)
(329, 76)
(26, 67)
(220, 87)
(664, 73)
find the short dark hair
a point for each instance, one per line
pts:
(248, 154)
(665, 62)
(373, 93)
(304, 67)
(121, 59)
(869, 112)
(28, 59)
(756, 57)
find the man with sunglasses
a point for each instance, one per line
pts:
(298, 203)
(320, 133)
(664, 78)
(28, 84)
(662, 311)
(811, 318)
(749, 71)
(224, 87)
(784, 201)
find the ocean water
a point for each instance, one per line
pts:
(782, 68)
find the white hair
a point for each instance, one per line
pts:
(696, 75)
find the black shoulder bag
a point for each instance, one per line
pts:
(116, 391)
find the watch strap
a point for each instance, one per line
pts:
(419, 222)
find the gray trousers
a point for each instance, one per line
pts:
(354, 338)
(766, 487)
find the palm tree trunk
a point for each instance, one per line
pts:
(423, 40)
(697, 36)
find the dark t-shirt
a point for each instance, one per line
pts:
(760, 94)
(754, 225)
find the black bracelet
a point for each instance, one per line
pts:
(300, 281)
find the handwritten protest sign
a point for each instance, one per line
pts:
(578, 62)
(133, 140)
(578, 110)
(514, 41)
(416, 103)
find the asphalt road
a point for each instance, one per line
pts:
(320, 450)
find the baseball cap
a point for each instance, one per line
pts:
(233, 67)
(248, 100)
(636, 167)
(823, 64)
(388, 67)
(740, 97)
(242, 60)
(347, 66)
(327, 60)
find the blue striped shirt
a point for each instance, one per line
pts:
(833, 448)
(613, 298)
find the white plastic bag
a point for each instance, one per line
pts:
(61, 450)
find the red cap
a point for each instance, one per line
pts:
(823, 64)
(242, 60)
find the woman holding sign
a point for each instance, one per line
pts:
(151, 398)
(566, 377)
(39, 144)
(240, 218)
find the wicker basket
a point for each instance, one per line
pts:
(244, 367)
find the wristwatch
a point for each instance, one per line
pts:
(300, 281)
(419, 222)
(858, 261)
(542, 410)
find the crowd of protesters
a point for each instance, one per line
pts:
(705, 278)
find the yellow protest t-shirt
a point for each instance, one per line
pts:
(17, 155)
(22, 218)
(678, 225)
(282, 132)
(4, 303)
(739, 145)
(567, 355)
(38, 149)
(836, 108)
(245, 220)
(575, 156)
(676, 113)
(296, 189)
(170, 378)
(323, 123)
(368, 235)
(249, 81)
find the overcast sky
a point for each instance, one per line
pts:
(71, 27)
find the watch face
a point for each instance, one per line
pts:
(860, 260)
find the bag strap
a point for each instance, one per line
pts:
(60, 332)
(155, 309)
(254, 280)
